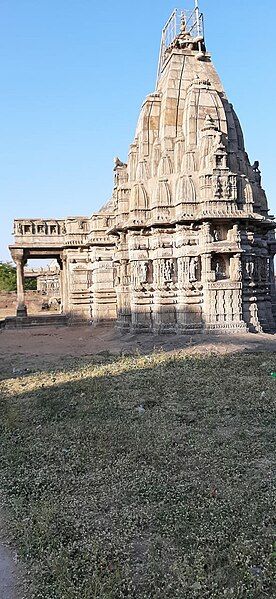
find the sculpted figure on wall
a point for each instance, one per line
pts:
(208, 145)
(227, 188)
(168, 270)
(261, 269)
(193, 269)
(236, 268)
(234, 234)
(250, 268)
(188, 270)
(220, 264)
(164, 272)
(257, 172)
(217, 187)
(140, 273)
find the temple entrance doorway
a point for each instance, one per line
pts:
(39, 283)
(42, 286)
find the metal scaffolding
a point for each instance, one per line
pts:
(194, 26)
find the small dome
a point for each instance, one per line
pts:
(165, 166)
(162, 194)
(142, 173)
(138, 197)
(185, 190)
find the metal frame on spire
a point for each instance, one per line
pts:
(194, 25)
(197, 15)
(169, 32)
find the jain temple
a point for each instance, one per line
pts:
(186, 243)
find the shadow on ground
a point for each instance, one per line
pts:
(39, 347)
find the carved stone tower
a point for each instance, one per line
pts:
(194, 238)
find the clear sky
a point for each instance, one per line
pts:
(73, 75)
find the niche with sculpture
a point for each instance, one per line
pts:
(220, 232)
(220, 265)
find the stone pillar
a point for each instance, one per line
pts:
(19, 259)
(61, 276)
(206, 260)
(271, 275)
(64, 287)
(62, 266)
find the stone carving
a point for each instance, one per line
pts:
(220, 265)
(140, 271)
(261, 269)
(164, 254)
(218, 188)
(168, 270)
(120, 172)
(193, 269)
(227, 188)
(118, 162)
(165, 166)
(234, 234)
(248, 194)
(138, 197)
(163, 272)
(185, 189)
(250, 268)
(257, 172)
(183, 271)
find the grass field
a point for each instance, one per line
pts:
(174, 499)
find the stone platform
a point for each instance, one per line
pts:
(14, 322)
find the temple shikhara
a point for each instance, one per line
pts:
(186, 243)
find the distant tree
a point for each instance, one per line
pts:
(8, 278)
(30, 284)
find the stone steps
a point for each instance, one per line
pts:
(56, 320)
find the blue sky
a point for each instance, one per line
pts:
(73, 75)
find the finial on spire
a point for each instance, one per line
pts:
(183, 27)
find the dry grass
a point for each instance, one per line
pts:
(176, 501)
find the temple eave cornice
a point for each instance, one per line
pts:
(199, 218)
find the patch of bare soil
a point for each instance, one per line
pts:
(37, 346)
(11, 581)
(7, 574)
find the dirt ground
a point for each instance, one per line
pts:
(34, 346)
(8, 574)
(11, 575)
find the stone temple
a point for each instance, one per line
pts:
(186, 243)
